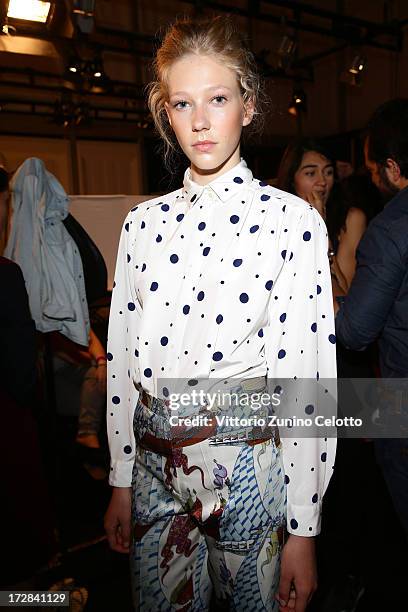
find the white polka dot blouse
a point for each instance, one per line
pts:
(226, 280)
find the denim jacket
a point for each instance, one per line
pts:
(49, 258)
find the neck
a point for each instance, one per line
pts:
(403, 182)
(203, 176)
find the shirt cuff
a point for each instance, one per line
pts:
(304, 520)
(121, 473)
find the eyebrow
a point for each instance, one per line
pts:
(213, 87)
(316, 166)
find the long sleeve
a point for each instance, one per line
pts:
(123, 369)
(300, 346)
(380, 271)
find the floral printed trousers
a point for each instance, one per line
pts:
(208, 517)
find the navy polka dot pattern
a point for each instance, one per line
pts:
(212, 281)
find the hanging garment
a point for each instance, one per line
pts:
(46, 253)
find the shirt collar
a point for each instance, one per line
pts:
(225, 186)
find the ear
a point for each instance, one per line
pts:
(393, 170)
(249, 111)
(166, 107)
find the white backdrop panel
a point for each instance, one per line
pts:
(102, 217)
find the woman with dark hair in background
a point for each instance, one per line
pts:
(308, 170)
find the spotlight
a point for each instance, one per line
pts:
(96, 69)
(82, 114)
(64, 111)
(286, 52)
(87, 75)
(358, 64)
(298, 102)
(29, 10)
(75, 65)
(353, 74)
(69, 113)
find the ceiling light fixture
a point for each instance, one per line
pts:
(29, 10)
(353, 74)
(298, 102)
(358, 64)
(286, 52)
(87, 74)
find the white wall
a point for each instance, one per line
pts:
(103, 167)
(54, 153)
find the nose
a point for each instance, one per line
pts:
(322, 179)
(200, 120)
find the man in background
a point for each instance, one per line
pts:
(376, 307)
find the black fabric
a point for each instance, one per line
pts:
(17, 335)
(27, 540)
(95, 271)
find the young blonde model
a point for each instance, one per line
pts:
(223, 279)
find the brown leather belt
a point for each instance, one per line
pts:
(195, 435)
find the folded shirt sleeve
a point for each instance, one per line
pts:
(300, 350)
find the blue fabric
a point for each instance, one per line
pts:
(376, 306)
(46, 253)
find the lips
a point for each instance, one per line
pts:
(204, 146)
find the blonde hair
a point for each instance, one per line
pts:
(217, 37)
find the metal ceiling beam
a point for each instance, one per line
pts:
(124, 89)
(96, 111)
(92, 42)
(351, 29)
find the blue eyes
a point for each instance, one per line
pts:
(180, 105)
(183, 104)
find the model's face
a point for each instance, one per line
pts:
(315, 176)
(206, 111)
